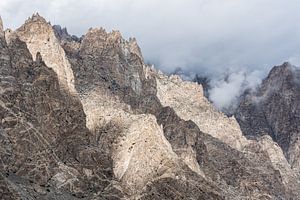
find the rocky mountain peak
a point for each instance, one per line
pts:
(97, 31)
(1, 30)
(134, 47)
(36, 18)
(63, 35)
(285, 65)
(39, 36)
(60, 31)
(114, 36)
(95, 38)
(274, 109)
(283, 78)
(2, 33)
(1, 25)
(282, 71)
(35, 25)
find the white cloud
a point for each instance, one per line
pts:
(191, 34)
(225, 91)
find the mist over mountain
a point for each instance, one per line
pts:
(225, 91)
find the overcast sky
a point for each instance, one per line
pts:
(204, 36)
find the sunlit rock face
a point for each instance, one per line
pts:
(39, 37)
(86, 118)
(189, 103)
(45, 145)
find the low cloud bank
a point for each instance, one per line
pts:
(226, 91)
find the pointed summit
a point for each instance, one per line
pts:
(281, 71)
(62, 34)
(1, 25)
(134, 48)
(39, 36)
(36, 18)
(2, 35)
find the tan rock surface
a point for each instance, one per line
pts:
(188, 101)
(278, 159)
(141, 153)
(39, 37)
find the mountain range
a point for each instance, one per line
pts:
(86, 118)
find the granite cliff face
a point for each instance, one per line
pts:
(86, 118)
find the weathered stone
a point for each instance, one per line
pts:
(274, 109)
(39, 37)
(43, 132)
(118, 129)
(1, 26)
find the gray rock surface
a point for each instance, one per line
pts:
(87, 119)
(46, 149)
(274, 110)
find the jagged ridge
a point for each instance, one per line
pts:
(117, 129)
